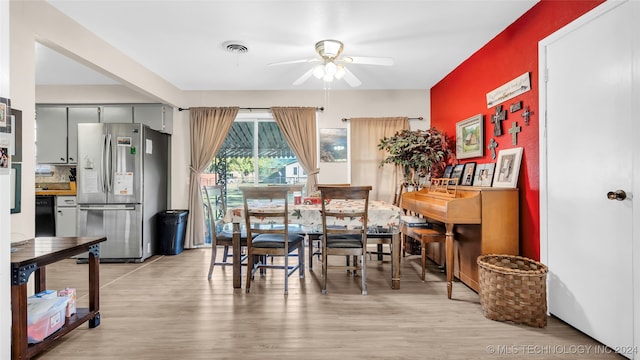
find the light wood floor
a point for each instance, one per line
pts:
(165, 308)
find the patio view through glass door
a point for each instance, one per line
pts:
(255, 152)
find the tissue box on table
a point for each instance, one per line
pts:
(70, 294)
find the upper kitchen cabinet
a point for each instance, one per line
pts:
(51, 134)
(78, 114)
(116, 113)
(57, 131)
(57, 125)
(157, 116)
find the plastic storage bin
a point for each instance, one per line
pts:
(172, 227)
(44, 317)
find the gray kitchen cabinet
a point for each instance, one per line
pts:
(78, 115)
(66, 216)
(57, 125)
(51, 134)
(157, 116)
(116, 113)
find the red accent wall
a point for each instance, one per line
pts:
(462, 94)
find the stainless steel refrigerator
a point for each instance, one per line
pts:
(122, 177)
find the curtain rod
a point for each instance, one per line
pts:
(411, 118)
(321, 108)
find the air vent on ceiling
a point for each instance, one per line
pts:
(236, 47)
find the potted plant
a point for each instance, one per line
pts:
(421, 153)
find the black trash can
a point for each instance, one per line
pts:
(172, 227)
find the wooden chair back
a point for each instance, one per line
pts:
(270, 238)
(342, 240)
(221, 233)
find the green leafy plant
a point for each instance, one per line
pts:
(418, 152)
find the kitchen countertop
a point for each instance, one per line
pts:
(58, 189)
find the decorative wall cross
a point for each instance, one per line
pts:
(526, 115)
(496, 120)
(492, 147)
(514, 130)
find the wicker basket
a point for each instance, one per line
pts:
(513, 288)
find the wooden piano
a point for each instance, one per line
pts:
(478, 221)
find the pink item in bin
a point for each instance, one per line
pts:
(70, 293)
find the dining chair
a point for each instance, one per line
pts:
(221, 232)
(345, 241)
(384, 236)
(268, 232)
(315, 243)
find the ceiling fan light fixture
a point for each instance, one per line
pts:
(318, 71)
(329, 48)
(340, 71)
(330, 68)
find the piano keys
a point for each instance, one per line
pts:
(478, 221)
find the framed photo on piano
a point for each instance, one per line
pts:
(484, 174)
(467, 174)
(456, 175)
(508, 168)
(447, 171)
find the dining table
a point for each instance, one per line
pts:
(383, 219)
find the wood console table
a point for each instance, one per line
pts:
(32, 256)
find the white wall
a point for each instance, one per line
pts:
(5, 223)
(89, 94)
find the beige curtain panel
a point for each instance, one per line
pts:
(298, 124)
(366, 158)
(208, 129)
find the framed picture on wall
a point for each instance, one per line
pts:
(333, 145)
(470, 137)
(484, 174)
(456, 174)
(467, 174)
(508, 168)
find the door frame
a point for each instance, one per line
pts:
(542, 65)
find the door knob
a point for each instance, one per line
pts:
(617, 195)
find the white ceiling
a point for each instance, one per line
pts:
(181, 40)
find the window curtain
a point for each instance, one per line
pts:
(366, 158)
(208, 129)
(298, 124)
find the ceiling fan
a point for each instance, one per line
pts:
(332, 66)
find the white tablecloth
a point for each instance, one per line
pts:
(381, 214)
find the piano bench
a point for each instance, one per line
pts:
(425, 236)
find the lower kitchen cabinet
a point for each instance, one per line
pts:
(66, 216)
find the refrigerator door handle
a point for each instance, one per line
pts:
(109, 165)
(105, 208)
(103, 170)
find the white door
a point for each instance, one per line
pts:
(586, 238)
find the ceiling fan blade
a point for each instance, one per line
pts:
(351, 79)
(368, 60)
(294, 62)
(304, 77)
